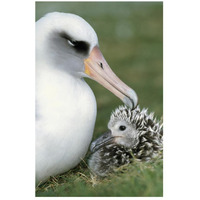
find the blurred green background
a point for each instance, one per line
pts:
(131, 39)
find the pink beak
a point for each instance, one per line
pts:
(98, 69)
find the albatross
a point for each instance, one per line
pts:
(133, 134)
(67, 51)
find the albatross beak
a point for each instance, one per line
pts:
(101, 141)
(98, 69)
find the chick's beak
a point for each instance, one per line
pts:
(98, 69)
(101, 141)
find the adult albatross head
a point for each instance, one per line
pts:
(71, 44)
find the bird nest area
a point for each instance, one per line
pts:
(135, 179)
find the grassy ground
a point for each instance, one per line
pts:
(130, 37)
(135, 179)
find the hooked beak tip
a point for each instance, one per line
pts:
(131, 100)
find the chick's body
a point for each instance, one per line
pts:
(133, 134)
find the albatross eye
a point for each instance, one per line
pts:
(73, 43)
(122, 128)
(79, 46)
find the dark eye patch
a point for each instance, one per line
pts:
(79, 46)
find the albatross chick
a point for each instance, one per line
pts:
(133, 134)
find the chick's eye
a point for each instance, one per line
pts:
(122, 128)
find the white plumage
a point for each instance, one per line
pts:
(66, 52)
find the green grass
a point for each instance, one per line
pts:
(131, 39)
(136, 179)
